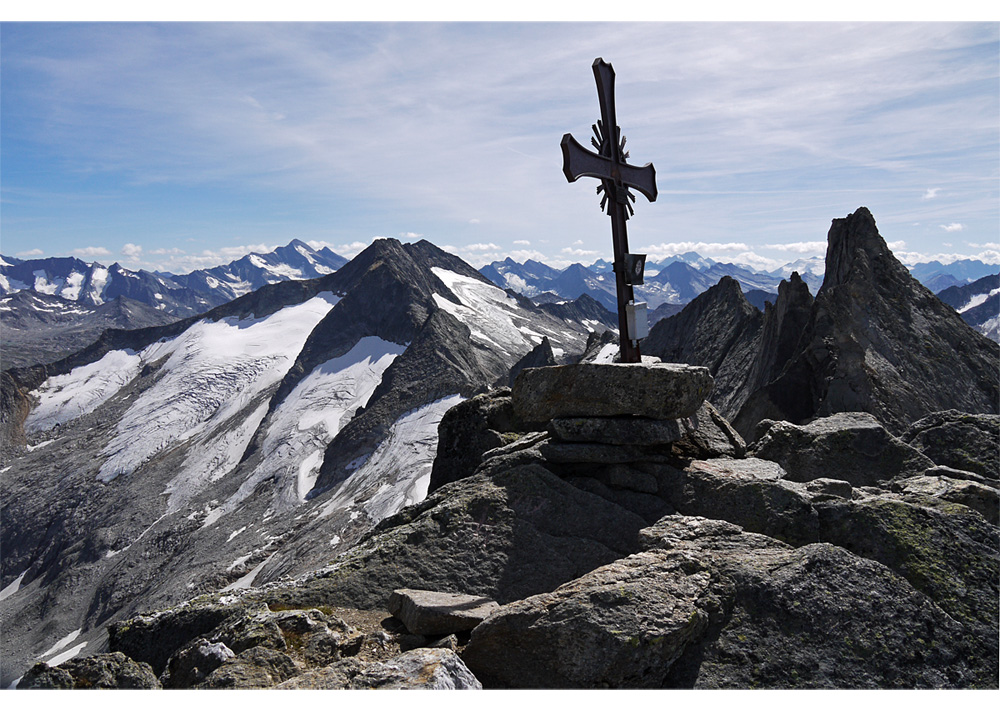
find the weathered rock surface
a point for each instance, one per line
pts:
(705, 433)
(469, 429)
(504, 536)
(947, 551)
(853, 444)
(100, 671)
(426, 612)
(189, 666)
(255, 668)
(187, 644)
(661, 391)
(335, 676)
(418, 669)
(752, 493)
(959, 440)
(620, 626)
(153, 639)
(975, 495)
(710, 606)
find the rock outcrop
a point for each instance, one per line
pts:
(877, 341)
(630, 552)
(960, 440)
(872, 340)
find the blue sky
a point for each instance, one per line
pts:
(176, 146)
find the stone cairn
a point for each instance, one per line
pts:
(588, 419)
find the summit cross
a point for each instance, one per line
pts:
(616, 176)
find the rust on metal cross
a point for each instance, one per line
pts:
(616, 176)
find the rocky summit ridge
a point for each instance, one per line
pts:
(596, 550)
(684, 523)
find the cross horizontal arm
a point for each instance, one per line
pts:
(578, 162)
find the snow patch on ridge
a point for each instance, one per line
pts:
(98, 279)
(65, 397)
(400, 468)
(14, 586)
(486, 309)
(211, 459)
(318, 408)
(977, 300)
(302, 426)
(213, 371)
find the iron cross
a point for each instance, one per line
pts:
(616, 178)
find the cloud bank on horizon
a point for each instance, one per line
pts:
(179, 146)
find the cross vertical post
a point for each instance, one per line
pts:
(616, 178)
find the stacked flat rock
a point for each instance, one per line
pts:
(658, 391)
(611, 412)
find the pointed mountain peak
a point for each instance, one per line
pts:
(728, 288)
(854, 247)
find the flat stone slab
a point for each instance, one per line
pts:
(616, 430)
(660, 391)
(428, 612)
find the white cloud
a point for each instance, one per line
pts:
(410, 235)
(757, 261)
(897, 245)
(523, 255)
(988, 256)
(30, 253)
(798, 247)
(705, 249)
(92, 252)
(132, 250)
(579, 252)
(353, 249)
(474, 221)
(523, 242)
(238, 251)
(480, 247)
(953, 227)
(755, 114)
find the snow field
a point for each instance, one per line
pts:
(400, 468)
(83, 390)
(302, 426)
(486, 309)
(312, 415)
(213, 371)
(977, 300)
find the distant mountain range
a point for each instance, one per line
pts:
(675, 280)
(72, 298)
(250, 442)
(178, 295)
(42, 328)
(679, 279)
(978, 303)
(283, 444)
